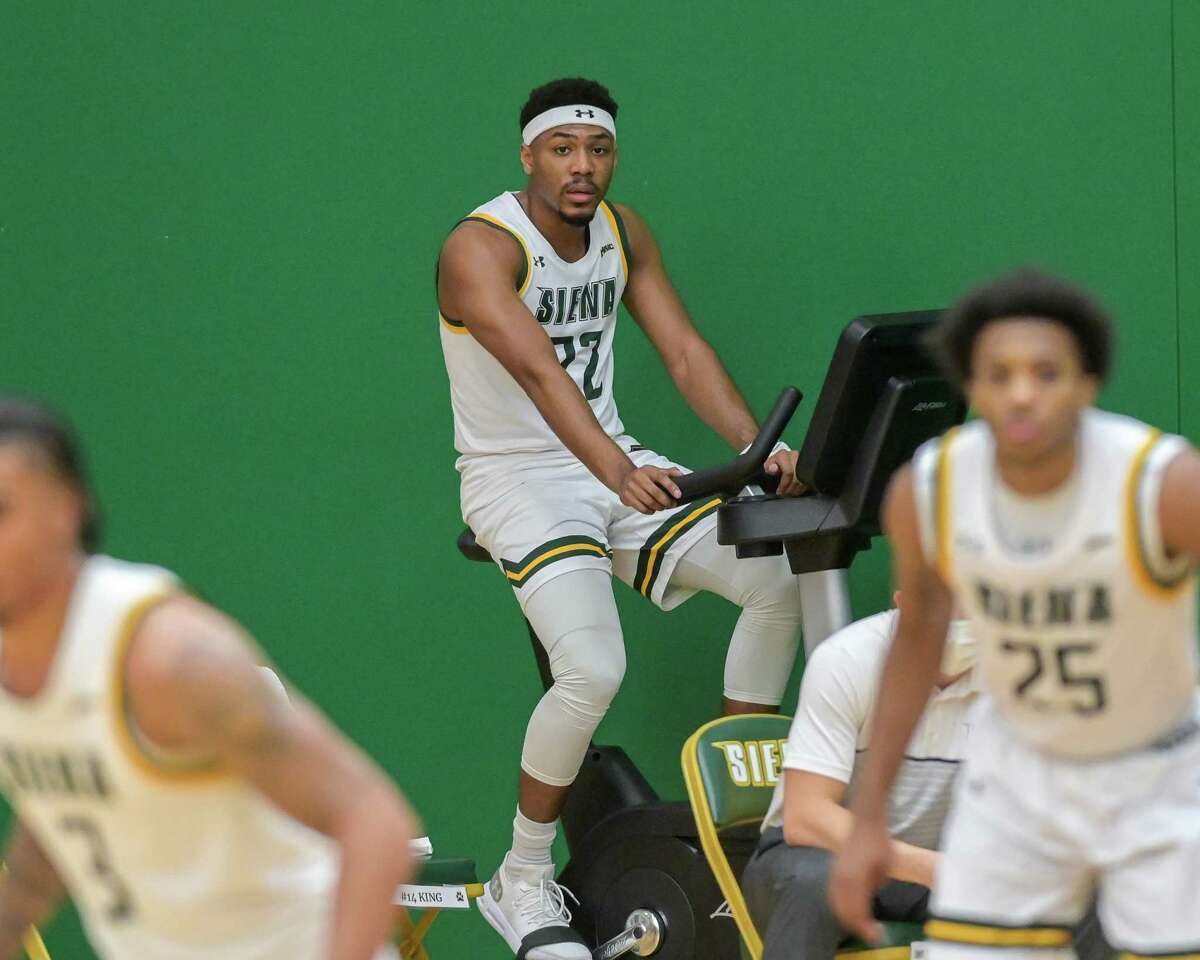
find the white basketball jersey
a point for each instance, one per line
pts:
(575, 303)
(1087, 647)
(182, 865)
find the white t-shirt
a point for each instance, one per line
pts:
(830, 733)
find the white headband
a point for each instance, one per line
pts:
(560, 116)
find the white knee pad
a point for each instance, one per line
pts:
(575, 617)
(763, 647)
(588, 665)
(769, 591)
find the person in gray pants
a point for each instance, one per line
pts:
(786, 881)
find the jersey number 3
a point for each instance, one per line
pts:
(120, 904)
(590, 339)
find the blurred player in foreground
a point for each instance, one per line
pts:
(1069, 536)
(158, 773)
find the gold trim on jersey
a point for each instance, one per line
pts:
(944, 502)
(618, 230)
(127, 738)
(497, 222)
(1135, 544)
(454, 326)
(988, 935)
(1190, 955)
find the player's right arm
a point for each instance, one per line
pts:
(30, 890)
(908, 677)
(196, 687)
(476, 286)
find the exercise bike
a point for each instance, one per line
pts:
(636, 863)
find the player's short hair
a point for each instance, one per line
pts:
(1027, 292)
(28, 422)
(565, 92)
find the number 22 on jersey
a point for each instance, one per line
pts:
(588, 341)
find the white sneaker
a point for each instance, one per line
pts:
(528, 909)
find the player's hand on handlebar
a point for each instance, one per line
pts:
(782, 464)
(860, 868)
(650, 489)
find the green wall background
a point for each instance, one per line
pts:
(217, 230)
(1186, 55)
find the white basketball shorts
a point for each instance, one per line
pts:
(1033, 838)
(544, 515)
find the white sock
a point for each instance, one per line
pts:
(532, 840)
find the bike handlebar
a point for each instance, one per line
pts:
(730, 477)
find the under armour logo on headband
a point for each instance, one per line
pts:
(570, 113)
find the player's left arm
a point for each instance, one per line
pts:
(30, 890)
(694, 366)
(195, 685)
(1179, 505)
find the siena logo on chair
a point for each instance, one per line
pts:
(752, 763)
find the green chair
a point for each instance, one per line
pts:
(730, 768)
(443, 883)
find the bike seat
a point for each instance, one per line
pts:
(470, 549)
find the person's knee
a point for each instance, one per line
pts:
(773, 593)
(600, 678)
(762, 650)
(796, 884)
(796, 919)
(588, 665)
(807, 873)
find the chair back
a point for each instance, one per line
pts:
(730, 768)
